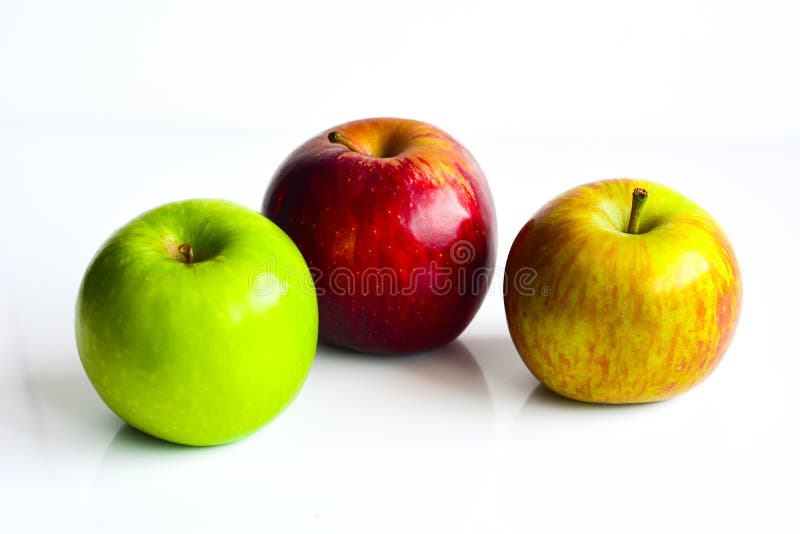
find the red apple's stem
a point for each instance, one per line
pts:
(639, 198)
(187, 252)
(338, 137)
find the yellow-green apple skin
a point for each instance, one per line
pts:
(200, 347)
(601, 315)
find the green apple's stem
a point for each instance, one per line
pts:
(338, 137)
(187, 252)
(639, 198)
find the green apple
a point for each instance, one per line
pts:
(197, 322)
(613, 300)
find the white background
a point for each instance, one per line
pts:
(108, 109)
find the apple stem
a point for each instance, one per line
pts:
(639, 198)
(338, 137)
(187, 252)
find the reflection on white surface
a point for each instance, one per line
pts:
(363, 447)
(456, 440)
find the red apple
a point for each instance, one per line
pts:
(396, 222)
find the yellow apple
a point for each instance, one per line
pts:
(613, 299)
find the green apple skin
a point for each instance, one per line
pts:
(199, 353)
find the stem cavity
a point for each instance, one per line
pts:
(639, 199)
(339, 138)
(187, 253)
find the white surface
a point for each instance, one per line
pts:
(107, 111)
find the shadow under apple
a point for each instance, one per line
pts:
(62, 400)
(419, 428)
(542, 398)
(452, 367)
(131, 441)
(499, 360)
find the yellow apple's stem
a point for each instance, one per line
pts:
(187, 252)
(338, 137)
(639, 198)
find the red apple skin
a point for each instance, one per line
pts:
(401, 238)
